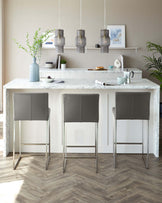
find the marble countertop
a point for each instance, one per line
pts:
(78, 84)
(114, 70)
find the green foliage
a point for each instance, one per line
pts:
(63, 61)
(154, 63)
(154, 47)
(33, 48)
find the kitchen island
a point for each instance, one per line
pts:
(78, 132)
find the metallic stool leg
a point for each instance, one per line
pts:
(14, 145)
(20, 138)
(96, 145)
(146, 160)
(14, 138)
(64, 159)
(142, 138)
(63, 142)
(47, 143)
(115, 141)
(65, 149)
(49, 138)
(147, 157)
(19, 158)
(143, 141)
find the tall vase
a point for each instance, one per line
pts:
(34, 71)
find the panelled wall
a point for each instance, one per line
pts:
(143, 20)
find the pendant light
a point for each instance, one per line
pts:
(80, 39)
(59, 39)
(104, 35)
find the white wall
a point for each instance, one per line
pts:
(143, 20)
(1, 51)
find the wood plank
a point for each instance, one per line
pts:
(130, 182)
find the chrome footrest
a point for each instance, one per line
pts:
(131, 143)
(35, 143)
(71, 146)
(80, 157)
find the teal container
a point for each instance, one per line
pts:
(34, 71)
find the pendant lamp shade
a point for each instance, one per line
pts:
(59, 40)
(104, 41)
(80, 41)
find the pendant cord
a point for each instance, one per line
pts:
(104, 14)
(59, 5)
(80, 14)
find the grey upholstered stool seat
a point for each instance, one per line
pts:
(31, 107)
(132, 106)
(81, 108)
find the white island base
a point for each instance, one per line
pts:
(82, 133)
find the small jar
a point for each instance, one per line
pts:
(63, 66)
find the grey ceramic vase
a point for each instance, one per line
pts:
(34, 71)
(59, 40)
(80, 41)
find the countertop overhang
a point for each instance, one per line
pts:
(78, 84)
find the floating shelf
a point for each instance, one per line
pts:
(126, 48)
(93, 48)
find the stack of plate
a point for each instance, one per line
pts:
(49, 64)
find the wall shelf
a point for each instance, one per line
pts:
(93, 48)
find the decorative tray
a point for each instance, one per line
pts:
(94, 69)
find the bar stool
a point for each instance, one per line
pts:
(81, 108)
(31, 107)
(132, 106)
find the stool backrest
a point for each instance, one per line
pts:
(81, 108)
(31, 106)
(133, 105)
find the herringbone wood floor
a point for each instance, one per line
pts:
(129, 183)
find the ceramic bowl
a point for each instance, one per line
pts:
(48, 80)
